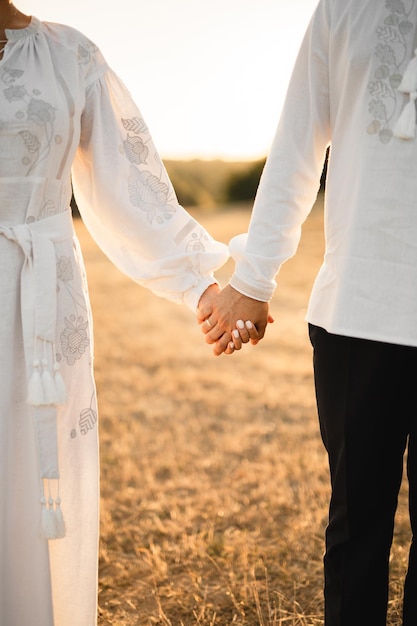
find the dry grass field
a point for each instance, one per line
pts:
(214, 479)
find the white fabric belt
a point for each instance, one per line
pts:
(39, 274)
(39, 319)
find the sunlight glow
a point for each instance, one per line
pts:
(209, 77)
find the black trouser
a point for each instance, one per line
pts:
(367, 405)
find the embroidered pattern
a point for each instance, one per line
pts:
(135, 149)
(195, 243)
(64, 269)
(150, 194)
(86, 52)
(48, 209)
(41, 114)
(147, 191)
(88, 419)
(74, 338)
(8, 76)
(135, 125)
(392, 53)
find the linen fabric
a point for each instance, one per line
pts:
(344, 93)
(64, 113)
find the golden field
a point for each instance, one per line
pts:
(214, 479)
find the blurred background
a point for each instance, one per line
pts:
(210, 77)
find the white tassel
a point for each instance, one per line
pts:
(48, 384)
(52, 520)
(35, 388)
(59, 519)
(409, 80)
(405, 128)
(61, 393)
(48, 527)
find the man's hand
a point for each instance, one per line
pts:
(228, 311)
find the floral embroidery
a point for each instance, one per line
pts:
(14, 93)
(65, 276)
(8, 76)
(195, 244)
(146, 191)
(150, 194)
(392, 53)
(395, 6)
(40, 112)
(135, 149)
(74, 338)
(37, 111)
(64, 269)
(86, 52)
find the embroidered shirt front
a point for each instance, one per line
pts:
(344, 93)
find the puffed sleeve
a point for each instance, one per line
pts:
(127, 201)
(291, 177)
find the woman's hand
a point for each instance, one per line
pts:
(218, 314)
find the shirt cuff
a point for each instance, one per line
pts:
(256, 293)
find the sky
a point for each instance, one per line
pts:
(208, 76)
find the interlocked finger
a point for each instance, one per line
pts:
(243, 331)
(208, 325)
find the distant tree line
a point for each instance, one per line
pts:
(242, 185)
(210, 184)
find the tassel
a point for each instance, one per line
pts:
(48, 384)
(409, 80)
(59, 520)
(35, 388)
(52, 520)
(405, 128)
(48, 520)
(61, 394)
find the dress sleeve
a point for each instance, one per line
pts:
(291, 177)
(128, 204)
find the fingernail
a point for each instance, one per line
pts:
(231, 345)
(249, 324)
(240, 324)
(236, 334)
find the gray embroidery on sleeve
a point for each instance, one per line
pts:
(147, 191)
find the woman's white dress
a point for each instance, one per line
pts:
(64, 113)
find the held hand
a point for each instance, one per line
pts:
(218, 317)
(243, 333)
(204, 310)
(206, 302)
